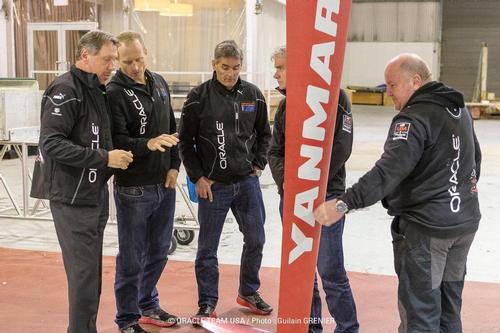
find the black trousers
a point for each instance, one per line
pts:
(431, 274)
(80, 233)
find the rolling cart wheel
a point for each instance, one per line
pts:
(184, 237)
(173, 246)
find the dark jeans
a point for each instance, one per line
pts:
(145, 216)
(335, 282)
(431, 274)
(80, 232)
(244, 198)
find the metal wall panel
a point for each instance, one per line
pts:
(467, 23)
(408, 21)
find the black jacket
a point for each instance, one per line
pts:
(224, 134)
(341, 150)
(141, 112)
(75, 135)
(430, 165)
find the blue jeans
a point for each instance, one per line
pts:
(244, 198)
(336, 285)
(145, 216)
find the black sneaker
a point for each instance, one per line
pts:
(255, 303)
(159, 318)
(205, 311)
(136, 328)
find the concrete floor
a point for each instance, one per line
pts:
(367, 243)
(33, 297)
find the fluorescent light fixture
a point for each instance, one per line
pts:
(165, 7)
(177, 9)
(149, 5)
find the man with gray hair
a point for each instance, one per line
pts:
(426, 178)
(73, 165)
(330, 263)
(224, 136)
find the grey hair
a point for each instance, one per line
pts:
(93, 41)
(129, 36)
(413, 64)
(228, 49)
(280, 52)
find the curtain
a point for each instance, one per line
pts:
(45, 42)
(187, 43)
(45, 54)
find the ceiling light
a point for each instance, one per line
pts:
(149, 5)
(177, 9)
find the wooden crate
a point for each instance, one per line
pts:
(275, 98)
(367, 97)
(387, 101)
(483, 110)
(349, 94)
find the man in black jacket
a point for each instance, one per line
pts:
(72, 168)
(224, 137)
(144, 123)
(426, 178)
(330, 263)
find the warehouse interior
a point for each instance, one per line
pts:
(459, 40)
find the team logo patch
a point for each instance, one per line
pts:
(248, 106)
(59, 96)
(347, 123)
(401, 131)
(473, 181)
(56, 112)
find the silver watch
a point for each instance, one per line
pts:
(341, 207)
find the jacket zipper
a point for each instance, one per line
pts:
(236, 117)
(78, 186)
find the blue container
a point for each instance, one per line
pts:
(191, 190)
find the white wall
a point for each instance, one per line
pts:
(365, 62)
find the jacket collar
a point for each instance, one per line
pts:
(223, 90)
(123, 80)
(282, 91)
(89, 79)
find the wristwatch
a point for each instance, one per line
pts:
(341, 207)
(257, 172)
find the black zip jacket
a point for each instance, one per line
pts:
(341, 150)
(141, 112)
(224, 133)
(430, 165)
(75, 135)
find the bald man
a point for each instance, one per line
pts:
(426, 178)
